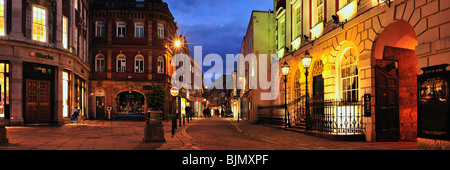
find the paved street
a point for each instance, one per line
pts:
(199, 134)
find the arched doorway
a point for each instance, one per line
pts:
(130, 103)
(396, 67)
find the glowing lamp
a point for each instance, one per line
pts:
(177, 43)
(306, 61)
(285, 69)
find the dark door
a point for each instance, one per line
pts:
(38, 106)
(386, 106)
(100, 107)
(318, 95)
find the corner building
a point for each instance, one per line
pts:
(131, 49)
(44, 66)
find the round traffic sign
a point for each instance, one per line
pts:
(174, 91)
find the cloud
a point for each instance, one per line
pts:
(218, 26)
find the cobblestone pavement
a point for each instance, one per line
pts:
(199, 134)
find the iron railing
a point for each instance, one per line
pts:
(336, 117)
(329, 116)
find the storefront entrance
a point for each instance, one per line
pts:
(130, 103)
(38, 93)
(38, 107)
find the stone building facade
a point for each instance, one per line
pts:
(43, 60)
(358, 48)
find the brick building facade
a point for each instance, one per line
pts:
(131, 49)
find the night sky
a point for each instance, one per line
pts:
(217, 25)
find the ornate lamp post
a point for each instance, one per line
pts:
(306, 61)
(285, 71)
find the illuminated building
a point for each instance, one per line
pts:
(44, 66)
(132, 48)
(258, 40)
(360, 48)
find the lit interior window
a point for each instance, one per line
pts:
(65, 33)
(161, 65)
(2, 17)
(39, 24)
(65, 78)
(349, 76)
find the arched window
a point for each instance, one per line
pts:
(100, 63)
(349, 76)
(160, 65)
(139, 64)
(318, 68)
(121, 63)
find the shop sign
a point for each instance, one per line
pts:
(367, 105)
(174, 91)
(433, 120)
(39, 55)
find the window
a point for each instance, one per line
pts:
(2, 17)
(139, 64)
(75, 4)
(160, 31)
(320, 11)
(39, 24)
(121, 63)
(345, 2)
(75, 39)
(140, 3)
(121, 28)
(100, 63)
(281, 34)
(298, 21)
(297, 86)
(99, 29)
(139, 30)
(160, 68)
(349, 76)
(66, 91)
(4, 89)
(65, 39)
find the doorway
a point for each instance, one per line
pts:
(387, 111)
(38, 107)
(100, 107)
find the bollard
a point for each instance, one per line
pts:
(154, 129)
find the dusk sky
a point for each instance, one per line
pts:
(219, 26)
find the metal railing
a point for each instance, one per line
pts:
(329, 116)
(336, 117)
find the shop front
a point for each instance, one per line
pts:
(4, 89)
(130, 103)
(38, 90)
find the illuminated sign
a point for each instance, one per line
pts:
(39, 55)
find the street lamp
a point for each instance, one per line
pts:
(285, 71)
(306, 61)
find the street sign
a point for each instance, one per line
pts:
(174, 91)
